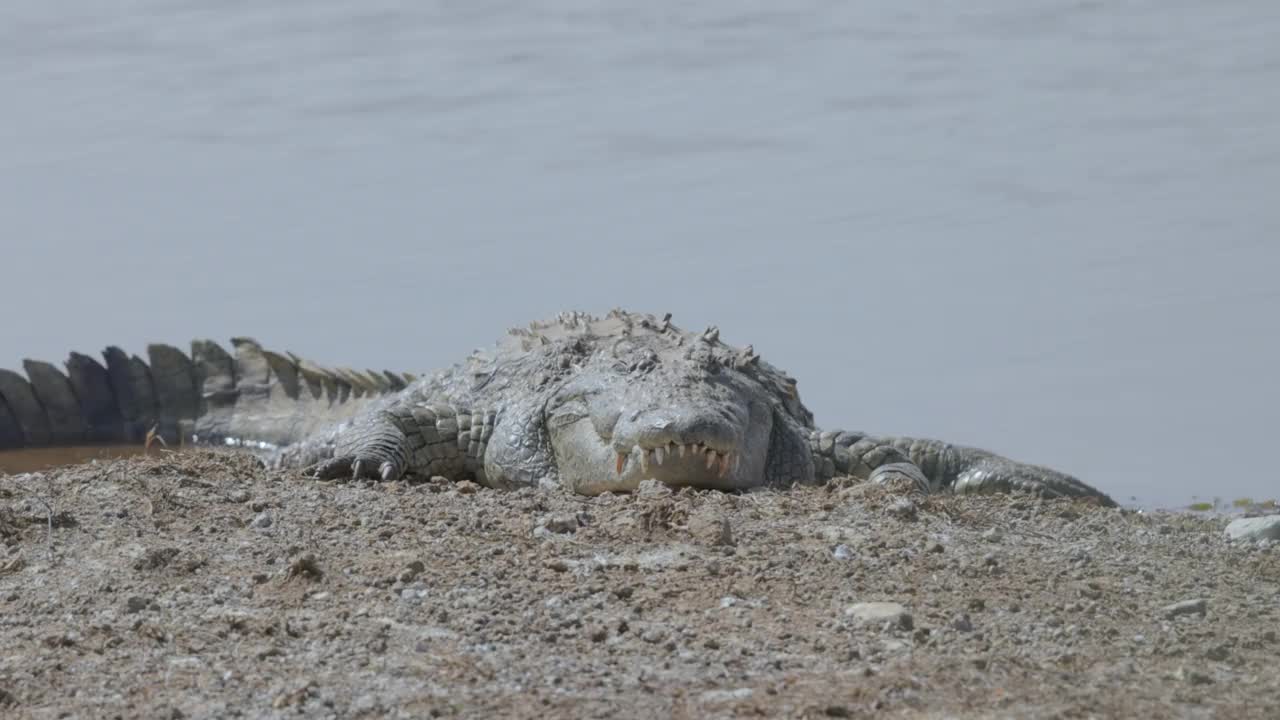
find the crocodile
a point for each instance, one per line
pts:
(594, 404)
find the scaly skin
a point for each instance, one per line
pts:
(594, 404)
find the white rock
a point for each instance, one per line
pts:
(880, 613)
(1266, 527)
(712, 696)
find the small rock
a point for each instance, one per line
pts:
(135, 604)
(715, 696)
(993, 535)
(559, 524)
(1266, 527)
(1186, 607)
(413, 593)
(239, 495)
(711, 531)
(1195, 677)
(367, 704)
(962, 623)
(653, 487)
(903, 509)
(306, 566)
(653, 635)
(411, 571)
(263, 520)
(880, 614)
(466, 487)
(842, 552)
(1218, 653)
(556, 564)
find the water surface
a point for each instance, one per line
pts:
(1048, 227)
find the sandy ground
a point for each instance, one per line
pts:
(201, 585)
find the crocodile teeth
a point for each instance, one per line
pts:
(683, 448)
(622, 461)
(711, 458)
(644, 458)
(737, 461)
(724, 465)
(658, 454)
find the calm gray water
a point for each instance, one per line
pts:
(1048, 227)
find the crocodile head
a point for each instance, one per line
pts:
(677, 407)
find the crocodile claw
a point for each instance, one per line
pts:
(356, 468)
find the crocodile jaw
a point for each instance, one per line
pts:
(715, 455)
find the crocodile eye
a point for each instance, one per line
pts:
(569, 411)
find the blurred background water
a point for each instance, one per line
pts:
(1046, 227)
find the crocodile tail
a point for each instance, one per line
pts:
(247, 396)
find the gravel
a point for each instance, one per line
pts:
(198, 584)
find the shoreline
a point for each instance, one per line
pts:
(44, 459)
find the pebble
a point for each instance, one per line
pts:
(714, 696)
(239, 495)
(653, 487)
(1195, 677)
(263, 520)
(653, 635)
(1186, 607)
(563, 524)
(1266, 527)
(713, 531)
(414, 592)
(903, 509)
(842, 552)
(880, 614)
(411, 571)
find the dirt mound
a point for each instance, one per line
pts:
(202, 585)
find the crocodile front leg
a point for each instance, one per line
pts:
(373, 445)
(411, 436)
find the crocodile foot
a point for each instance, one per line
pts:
(356, 467)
